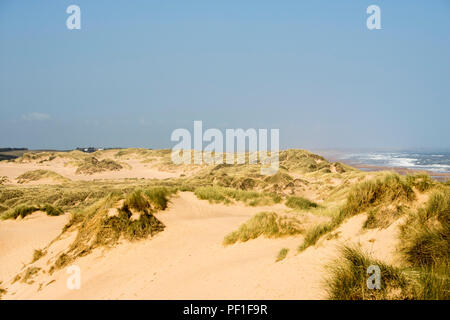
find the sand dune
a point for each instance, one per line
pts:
(187, 261)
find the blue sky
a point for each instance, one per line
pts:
(137, 70)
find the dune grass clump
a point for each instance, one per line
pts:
(425, 246)
(313, 235)
(348, 279)
(384, 196)
(25, 210)
(29, 274)
(373, 192)
(114, 217)
(426, 234)
(216, 194)
(267, 224)
(282, 254)
(92, 165)
(432, 282)
(37, 254)
(2, 292)
(40, 174)
(137, 201)
(159, 197)
(153, 199)
(421, 181)
(51, 210)
(300, 203)
(212, 194)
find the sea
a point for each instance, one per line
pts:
(438, 162)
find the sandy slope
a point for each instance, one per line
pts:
(19, 238)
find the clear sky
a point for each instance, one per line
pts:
(137, 70)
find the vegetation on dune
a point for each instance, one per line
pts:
(2, 292)
(115, 217)
(267, 224)
(216, 194)
(382, 192)
(36, 175)
(348, 279)
(134, 151)
(282, 254)
(314, 234)
(300, 203)
(27, 275)
(426, 234)
(25, 210)
(75, 196)
(4, 180)
(383, 217)
(37, 254)
(92, 165)
(420, 181)
(373, 192)
(425, 247)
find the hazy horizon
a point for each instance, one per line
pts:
(134, 73)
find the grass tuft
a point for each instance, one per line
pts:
(348, 279)
(37, 254)
(373, 192)
(300, 203)
(425, 236)
(267, 224)
(282, 254)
